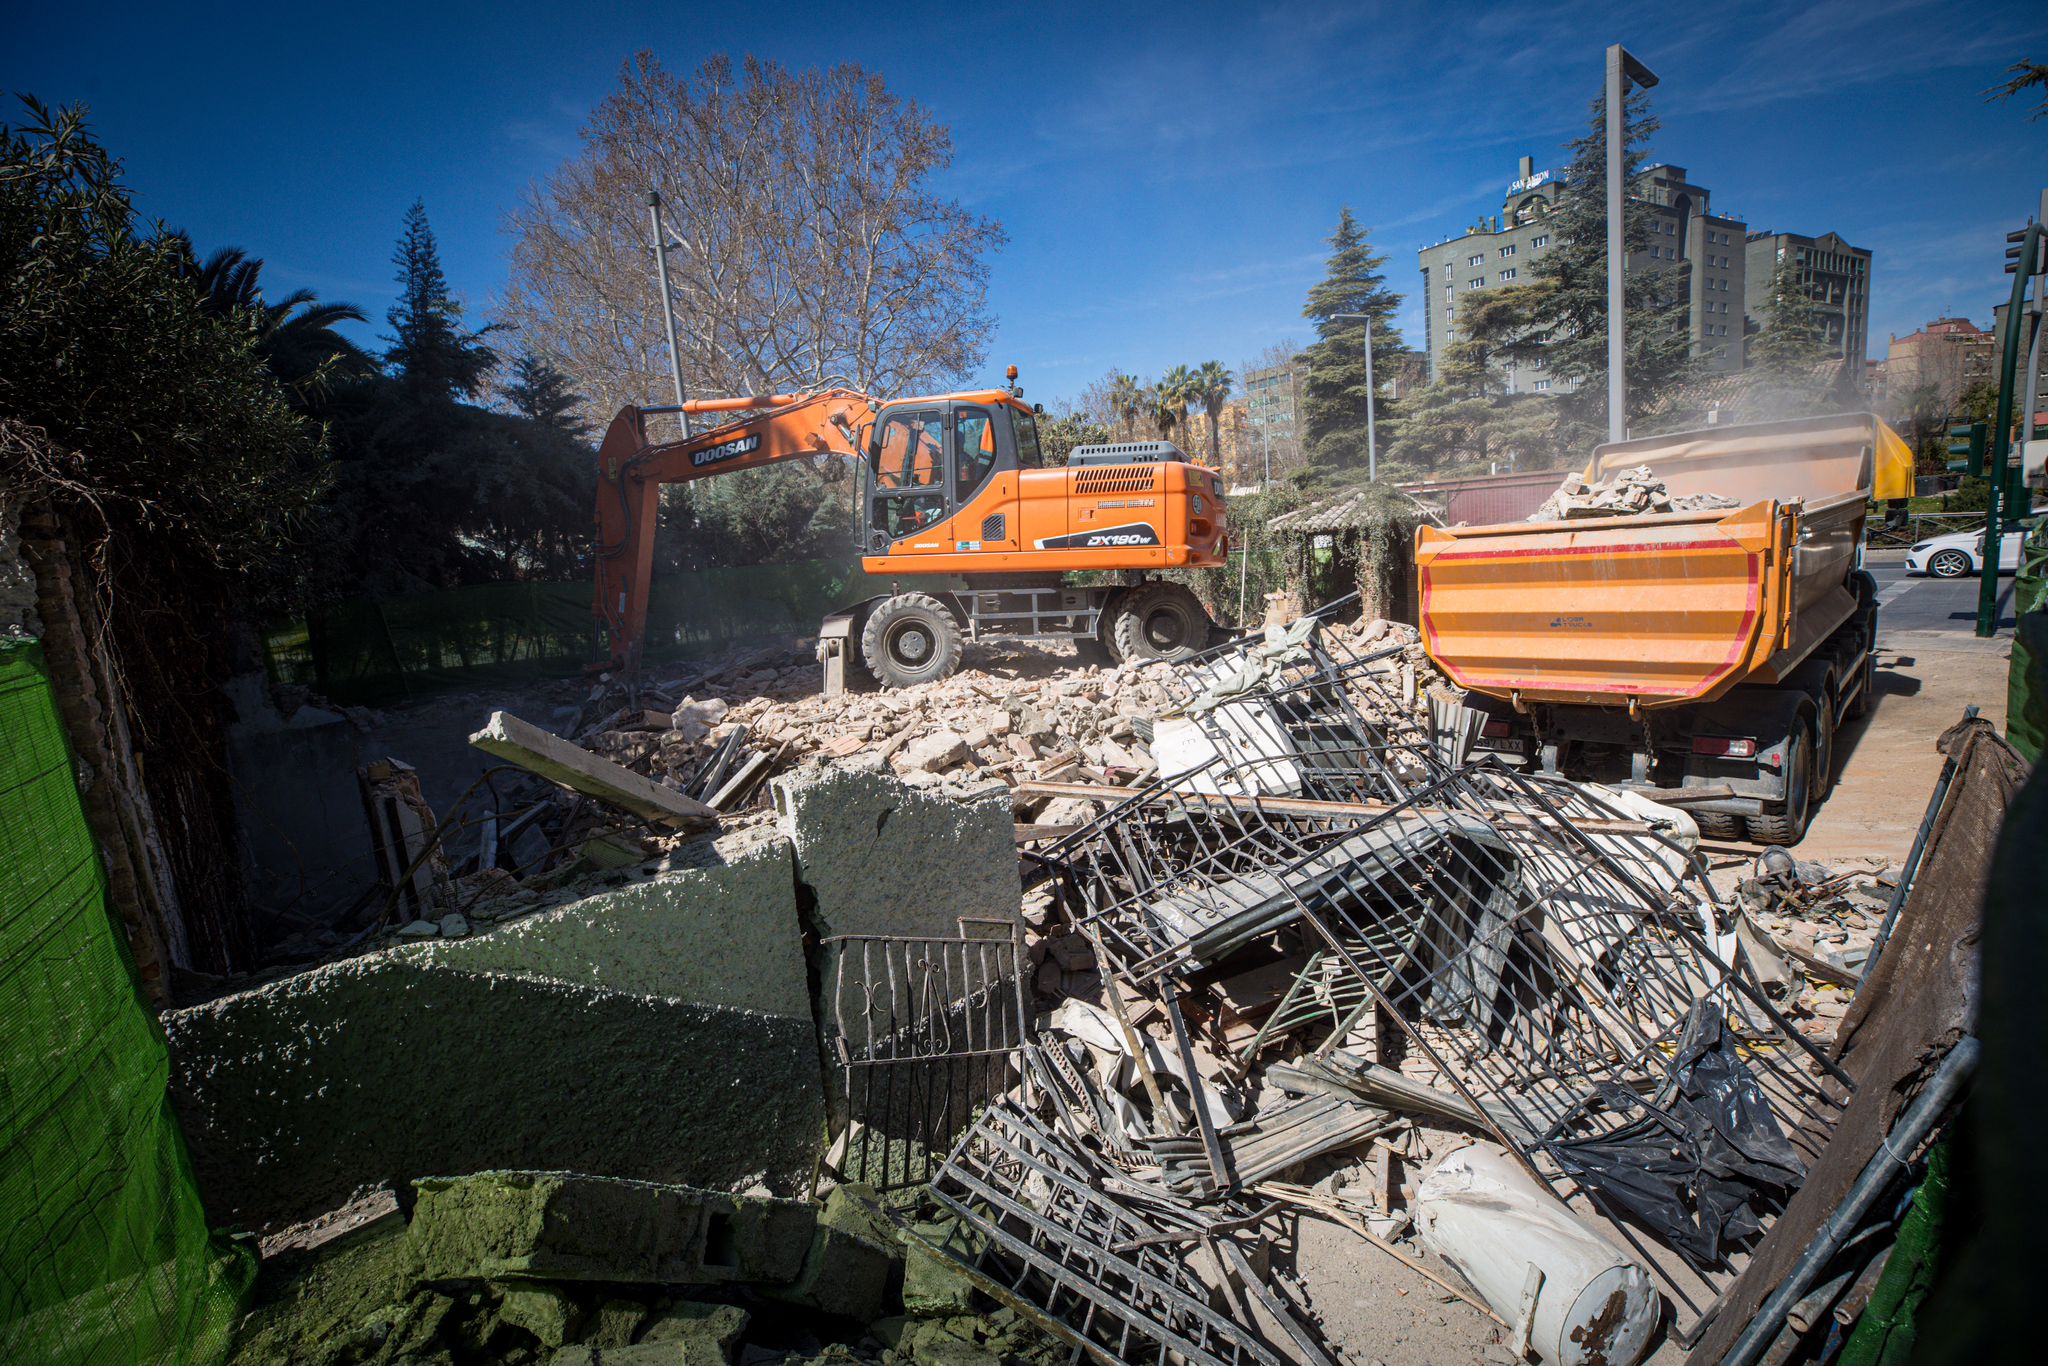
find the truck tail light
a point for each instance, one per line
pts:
(1722, 747)
(1494, 730)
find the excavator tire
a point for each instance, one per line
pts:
(1159, 621)
(909, 639)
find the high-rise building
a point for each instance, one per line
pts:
(1835, 275)
(1272, 400)
(1499, 250)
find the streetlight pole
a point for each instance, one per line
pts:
(1372, 402)
(668, 312)
(1622, 68)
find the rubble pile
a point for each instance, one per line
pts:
(1324, 963)
(1809, 930)
(1627, 493)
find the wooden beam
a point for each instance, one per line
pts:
(550, 756)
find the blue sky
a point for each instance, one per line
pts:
(1166, 173)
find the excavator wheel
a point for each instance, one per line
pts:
(1159, 621)
(909, 639)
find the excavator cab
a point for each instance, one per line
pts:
(930, 458)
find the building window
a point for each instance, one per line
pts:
(1508, 250)
(1507, 275)
(1479, 283)
(1541, 385)
(1542, 239)
(1478, 260)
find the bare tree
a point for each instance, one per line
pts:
(812, 244)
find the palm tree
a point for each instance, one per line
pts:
(296, 333)
(1211, 388)
(1126, 401)
(1176, 389)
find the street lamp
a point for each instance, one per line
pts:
(1372, 447)
(1622, 69)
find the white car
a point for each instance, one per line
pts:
(1962, 553)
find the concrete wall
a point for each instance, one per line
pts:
(881, 857)
(661, 1032)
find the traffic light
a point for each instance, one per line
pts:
(2018, 243)
(1968, 441)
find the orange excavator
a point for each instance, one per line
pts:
(952, 490)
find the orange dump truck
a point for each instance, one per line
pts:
(1714, 650)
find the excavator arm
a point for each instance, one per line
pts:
(631, 471)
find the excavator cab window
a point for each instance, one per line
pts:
(974, 450)
(1024, 427)
(909, 456)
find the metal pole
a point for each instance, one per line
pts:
(1372, 402)
(1617, 378)
(1623, 70)
(668, 312)
(2001, 432)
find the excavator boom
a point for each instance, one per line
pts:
(631, 472)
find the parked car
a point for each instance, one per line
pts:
(1961, 553)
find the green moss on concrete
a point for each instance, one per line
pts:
(565, 1227)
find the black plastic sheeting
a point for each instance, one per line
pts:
(1704, 1159)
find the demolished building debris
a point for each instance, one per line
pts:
(1289, 947)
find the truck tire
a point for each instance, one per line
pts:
(1718, 825)
(1859, 705)
(909, 639)
(1789, 825)
(1159, 621)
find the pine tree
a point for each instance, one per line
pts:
(430, 351)
(541, 392)
(1335, 397)
(1568, 306)
(1794, 332)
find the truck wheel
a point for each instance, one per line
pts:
(910, 639)
(1789, 825)
(1159, 621)
(1718, 825)
(1824, 750)
(1859, 705)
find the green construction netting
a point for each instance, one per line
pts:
(104, 1253)
(2026, 689)
(383, 650)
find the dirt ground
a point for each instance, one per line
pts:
(1886, 764)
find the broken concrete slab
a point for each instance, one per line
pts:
(725, 936)
(542, 1310)
(707, 1332)
(551, 757)
(660, 1032)
(884, 858)
(852, 1259)
(562, 1226)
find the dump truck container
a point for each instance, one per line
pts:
(1712, 650)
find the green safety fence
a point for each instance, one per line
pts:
(104, 1249)
(2026, 689)
(386, 649)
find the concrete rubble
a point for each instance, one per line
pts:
(1626, 493)
(1290, 948)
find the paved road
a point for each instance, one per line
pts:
(1918, 603)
